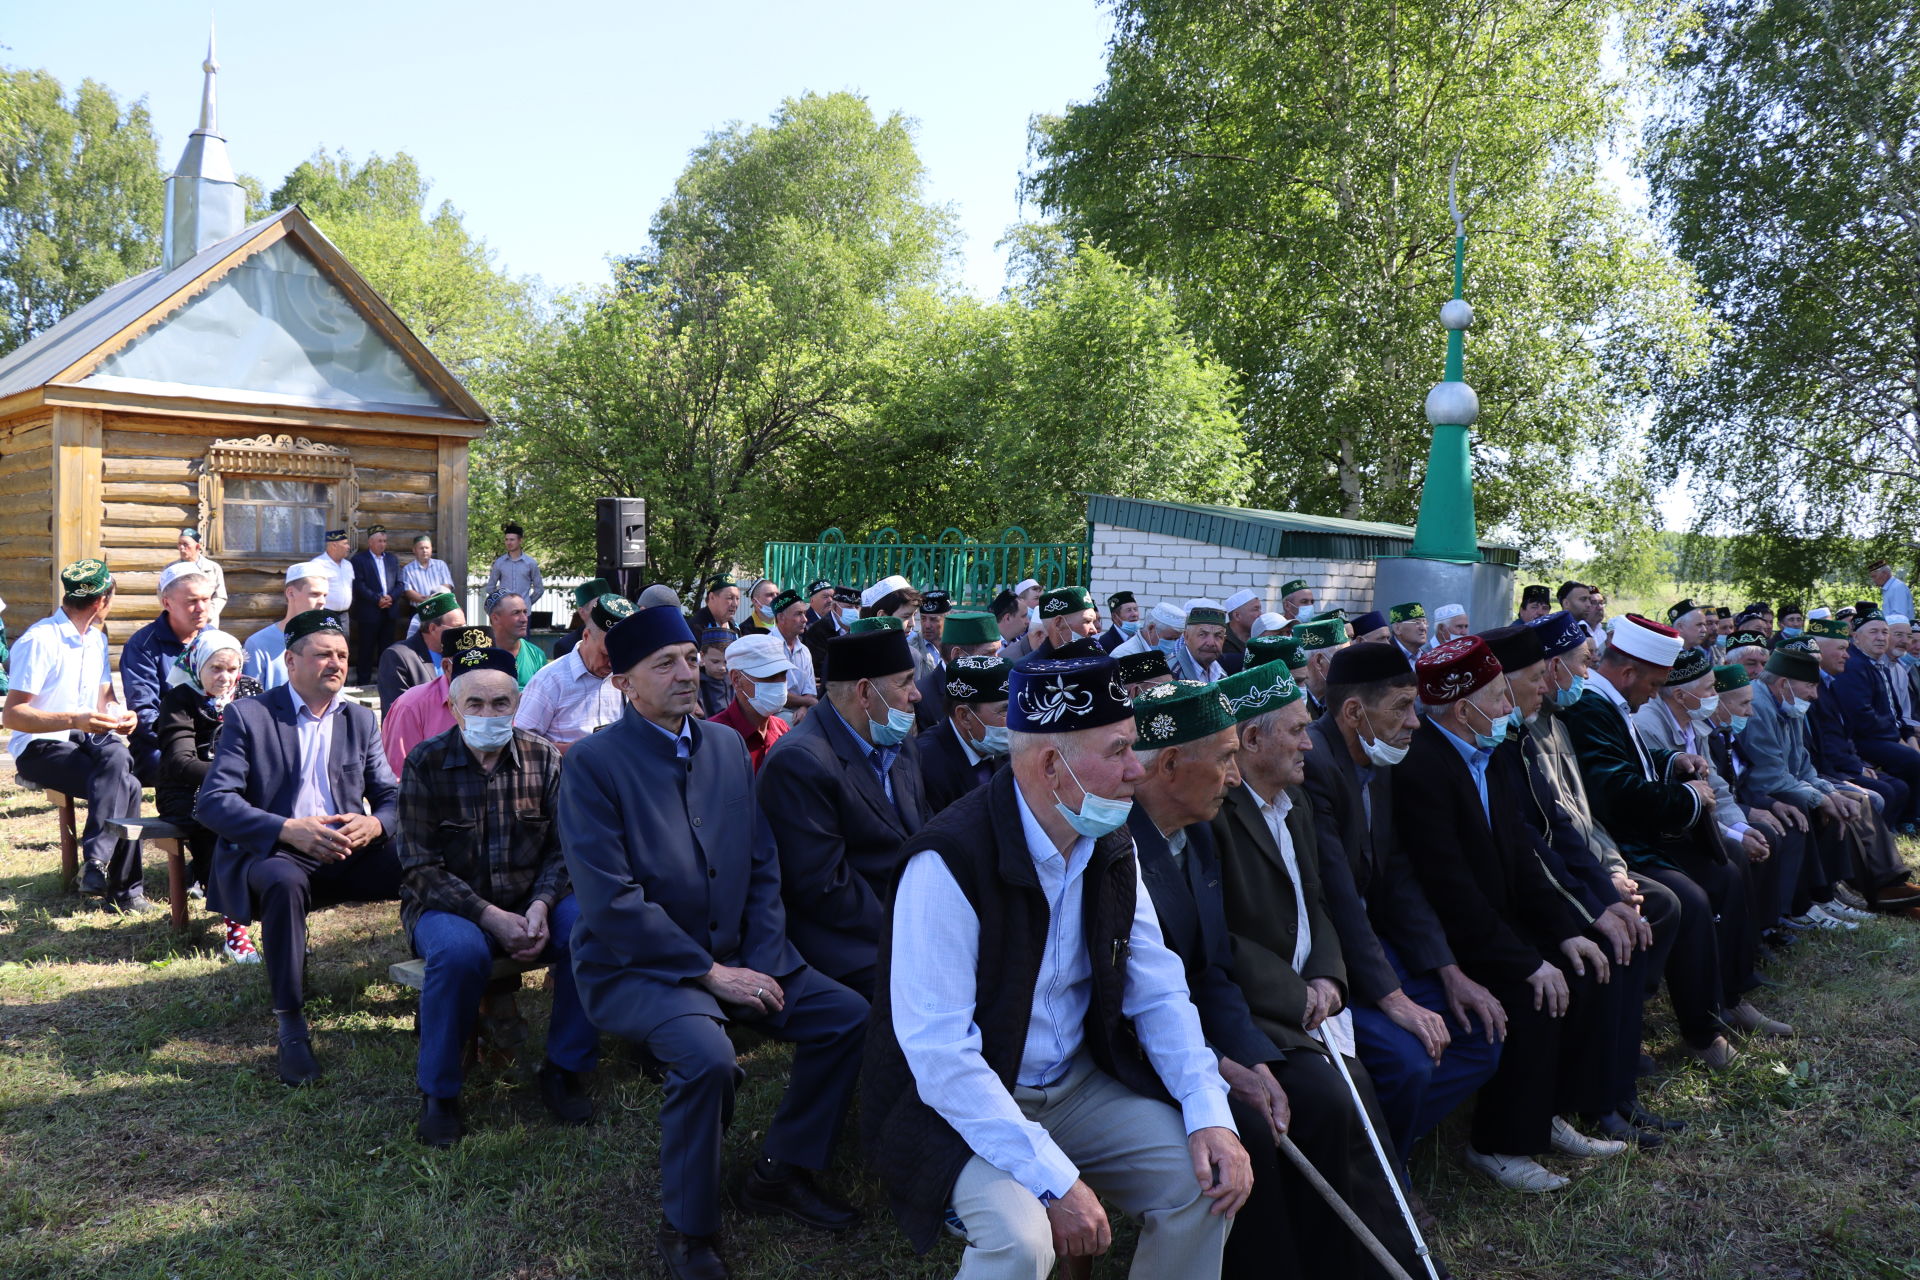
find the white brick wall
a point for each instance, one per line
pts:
(1155, 567)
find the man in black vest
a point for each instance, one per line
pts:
(1032, 1036)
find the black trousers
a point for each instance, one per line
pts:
(1895, 762)
(97, 768)
(1513, 1112)
(1712, 959)
(372, 633)
(1600, 1040)
(288, 884)
(1286, 1229)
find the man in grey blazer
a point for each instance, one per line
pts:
(303, 803)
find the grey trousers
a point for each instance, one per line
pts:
(1131, 1150)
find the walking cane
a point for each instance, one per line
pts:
(1380, 1154)
(1344, 1211)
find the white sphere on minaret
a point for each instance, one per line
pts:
(1452, 404)
(1457, 313)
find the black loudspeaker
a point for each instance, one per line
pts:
(620, 534)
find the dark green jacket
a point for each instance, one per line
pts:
(1650, 819)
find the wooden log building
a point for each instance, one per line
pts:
(253, 387)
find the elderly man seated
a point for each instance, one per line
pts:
(416, 660)
(1160, 630)
(1033, 1046)
(68, 733)
(971, 742)
(1196, 656)
(1319, 641)
(483, 877)
(424, 711)
(303, 803)
(508, 616)
(572, 696)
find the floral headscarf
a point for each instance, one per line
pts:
(200, 651)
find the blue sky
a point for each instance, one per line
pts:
(558, 128)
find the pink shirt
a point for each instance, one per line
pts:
(418, 714)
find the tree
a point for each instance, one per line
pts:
(1786, 166)
(81, 199)
(1282, 165)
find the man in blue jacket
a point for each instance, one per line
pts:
(303, 803)
(1865, 690)
(682, 930)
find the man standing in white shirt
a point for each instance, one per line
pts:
(340, 585)
(572, 696)
(68, 733)
(1033, 1038)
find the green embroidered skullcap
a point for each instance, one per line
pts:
(1729, 676)
(1741, 639)
(436, 606)
(1406, 613)
(1321, 633)
(608, 609)
(1860, 620)
(883, 622)
(1270, 648)
(1181, 711)
(970, 626)
(784, 601)
(1138, 668)
(1205, 613)
(977, 678)
(1828, 628)
(1064, 600)
(1254, 691)
(312, 622)
(85, 580)
(378, 528)
(1795, 664)
(589, 591)
(720, 582)
(1287, 589)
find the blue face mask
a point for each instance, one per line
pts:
(1514, 720)
(1738, 725)
(849, 615)
(1791, 632)
(1167, 646)
(1571, 694)
(894, 732)
(1129, 629)
(1098, 815)
(994, 740)
(1796, 709)
(1496, 731)
(1910, 660)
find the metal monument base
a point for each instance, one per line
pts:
(1487, 590)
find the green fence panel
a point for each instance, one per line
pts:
(970, 571)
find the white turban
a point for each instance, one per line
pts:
(1647, 641)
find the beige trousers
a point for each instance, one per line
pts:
(1131, 1150)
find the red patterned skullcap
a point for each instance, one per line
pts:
(1451, 671)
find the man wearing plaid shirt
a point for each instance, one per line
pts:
(483, 877)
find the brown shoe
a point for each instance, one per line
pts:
(1717, 1056)
(1744, 1017)
(1897, 895)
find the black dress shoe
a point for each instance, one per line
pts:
(440, 1124)
(689, 1257)
(1645, 1067)
(1645, 1119)
(298, 1066)
(1616, 1126)
(133, 902)
(564, 1093)
(797, 1197)
(93, 879)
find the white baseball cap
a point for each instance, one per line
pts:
(761, 656)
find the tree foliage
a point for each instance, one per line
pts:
(1282, 164)
(81, 198)
(1786, 165)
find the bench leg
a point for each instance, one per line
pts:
(176, 881)
(69, 839)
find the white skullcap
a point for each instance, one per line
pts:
(1241, 598)
(309, 569)
(1264, 623)
(1026, 584)
(1819, 613)
(1169, 616)
(178, 570)
(1647, 641)
(882, 589)
(1898, 620)
(1446, 611)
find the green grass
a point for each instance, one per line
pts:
(142, 1132)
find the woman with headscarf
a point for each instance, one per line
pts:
(204, 680)
(191, 551)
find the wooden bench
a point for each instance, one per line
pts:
(171, 841)
(69, 837)
(497, 1035)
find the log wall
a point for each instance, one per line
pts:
(26, 519)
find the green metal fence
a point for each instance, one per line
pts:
(972, 572)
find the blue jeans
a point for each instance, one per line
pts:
(459, 957)
(1415, 1093)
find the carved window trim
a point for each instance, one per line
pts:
(273, 457)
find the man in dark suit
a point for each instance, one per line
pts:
(416, 660)
(845, 608)
(962, 752)
(968, 633)
(1865, 691)
(841, 792)
(1507, 921)
(379, 608)
(681, 931)
(303, 803)
(1123, 616)
(1189, 747)
(1402, 978)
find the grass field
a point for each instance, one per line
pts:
(143, 1134)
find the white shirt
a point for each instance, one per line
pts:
(800, 679)
(1337, 1030)
(1690, 742)
(340, 589)
(564, 702)
(936, 954)
(314, 798)
(61, 668)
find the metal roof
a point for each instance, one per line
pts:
(1288, 535)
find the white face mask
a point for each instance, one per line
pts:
(1378, 750)
(768, 696)
(1708, 705)
(1304, 613)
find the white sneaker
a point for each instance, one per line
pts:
(1801, 922)
(1845, 911)
(1515, 1173)
(1824, 919)
(1569, 1141)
